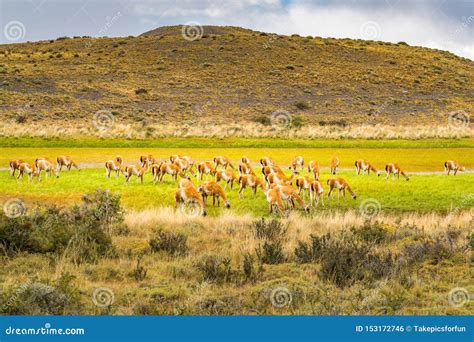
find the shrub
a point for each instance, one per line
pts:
(251, 272)
(271, 230)
(371, 232)
(302, 105)
(215, 268)
(436, 250)
(310, 252)
(263, 119)
(141, 91)
(172, 243)
(271, 252)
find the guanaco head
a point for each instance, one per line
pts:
(119, 160)
(227, 204)
(462, 168)
(378, 173)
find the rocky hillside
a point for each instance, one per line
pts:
(230, 74)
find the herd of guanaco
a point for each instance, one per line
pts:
(282, 192)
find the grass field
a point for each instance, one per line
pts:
(423, 192)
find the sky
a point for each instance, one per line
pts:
(441, 24)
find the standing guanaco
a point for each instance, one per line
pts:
(297, 162)
(184, 166)
(223, 161)
(316, 192)
(228, 176)
(251, 181)
(14, 165)
(31, 171)
(395, 169)
(313, 167)
(43, 164)
(113, 165)
(147, 159)
(213, 189)
(280, 178)
(245, 160)
(290, 195)
(67, 162)
(138, 171)
(365, 166)
(334, 165)
(188, 194)
(267, 161)
(160, 170)
(190, 160)
(274, 200)
(246, 169)
(340, 184)
(453, 165)
(205, 168)
(303, 183)
(266, 170)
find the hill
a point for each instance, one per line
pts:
(229, 75)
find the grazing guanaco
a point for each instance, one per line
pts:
(395, 169)
(267, 161)
(147, 159)
(266, 170)
(223, 161)
(190, 160)
(280, 178)
(365, 166)
(245, 160)
(14, 165)
(184, 166)
(113, 165)
(138, 171)
(205, 168)
(43, 164)
(316, 192)
(67, 162)
(303, 183)
(334, 165)
(290, 195)
(274, 200)
(228, 176)
(160, 170)
(188, 194)
(297, 162)
(251, 181)
(213, 189)
(313, 167)
(31, 171)
(453, 165)
(340, 184)
(246, 169)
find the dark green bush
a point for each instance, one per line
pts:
(270, 230)
(172, 243)
(371, 232)
(215, 268)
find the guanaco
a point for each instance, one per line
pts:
(188, 194)
(267, 161)
(303, 183)
(453, 165)
(14, 165)
(334, 165)
(205, 168)
(290, 195)
(365, 166)
(266, 170)
(228, 176)
(45, 165)
(245, 160)
(190, 160)
(223, 161)
(184, 166)
(113, 165)
(395, 169)
(138, 171)
(67, 162)
(274, 200)
(31, 171)
(246, 169)
(147, 159)
(316, 191)
(280, 178)
(251, 181)
(160, 170)
(297, 162)
(340, 184)
(213, 189)
(313, 167)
